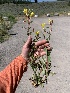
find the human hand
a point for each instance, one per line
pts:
(40, 45)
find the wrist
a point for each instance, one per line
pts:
(24, 57)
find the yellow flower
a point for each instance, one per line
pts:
(25, 11)
(50, 20)
(32, 14)
(37, 32)
(43, 25)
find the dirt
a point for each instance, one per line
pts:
(60, 56)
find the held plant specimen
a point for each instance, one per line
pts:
(41, 67)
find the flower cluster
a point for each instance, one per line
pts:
(40, 67)
(28, 12)
(50, 21)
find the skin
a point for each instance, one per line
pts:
(40, 45)
(12, 74)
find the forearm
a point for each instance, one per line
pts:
(12, 74)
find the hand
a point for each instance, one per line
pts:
(40, 45)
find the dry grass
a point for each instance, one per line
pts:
(39, 8)
(16, 10)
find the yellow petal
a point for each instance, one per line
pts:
(43, 25)
(32, 14)
(50, 20)
(37, 32)
(25, 11)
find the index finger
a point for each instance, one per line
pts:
(39, 43)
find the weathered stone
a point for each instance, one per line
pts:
(68, 14)
(5, 18)
(36, 16)
(56, 14)
(48, 15)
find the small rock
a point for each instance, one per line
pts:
(68, 14)
(36, 16)
(56, 14)
(48, 15)
(5, 18)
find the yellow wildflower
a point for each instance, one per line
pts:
(25, 11)
(37, 32)
(50, 20)
(32, 14)
(43, 25)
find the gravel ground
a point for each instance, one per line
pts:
(60, 40)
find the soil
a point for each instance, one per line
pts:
(60, 56)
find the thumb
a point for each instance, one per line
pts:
(28, 42)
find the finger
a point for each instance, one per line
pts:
(43, 46)
(39, 54)
(47, 45)
(40, 50)
(43, 53)
(28, 42)
(39, 43)
(49, 48)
